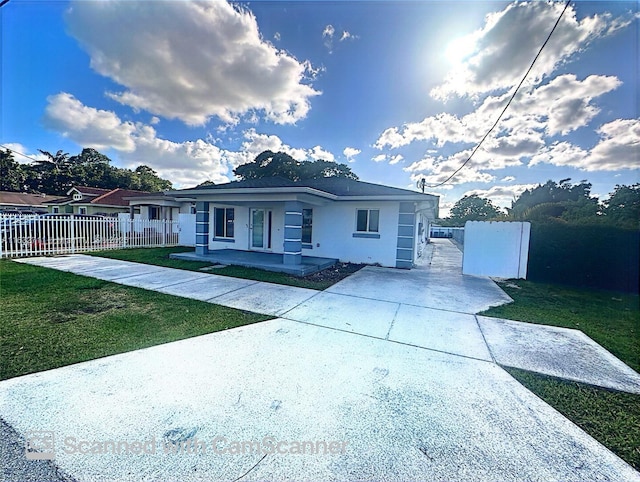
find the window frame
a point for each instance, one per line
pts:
(226, 223)
(368, 228)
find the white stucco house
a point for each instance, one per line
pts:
(340, 219)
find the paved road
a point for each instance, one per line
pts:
(387, 375)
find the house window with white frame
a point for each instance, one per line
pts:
(367, 220)
(82, 210)
(224, 218)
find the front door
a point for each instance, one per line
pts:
(260, 229)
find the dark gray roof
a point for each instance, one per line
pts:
(332, 185)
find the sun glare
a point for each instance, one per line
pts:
(459, 49)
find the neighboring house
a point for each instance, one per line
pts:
(338, 218)
(93, 200)
(161, 205)
(23, 203)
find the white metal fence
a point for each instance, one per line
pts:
(60, 234)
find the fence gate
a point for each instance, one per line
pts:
(187, 229)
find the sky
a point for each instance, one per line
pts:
(398, 90)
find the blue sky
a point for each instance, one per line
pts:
(398, 90)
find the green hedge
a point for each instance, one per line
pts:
(588, 256)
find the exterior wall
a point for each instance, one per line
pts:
(334, 227)
(499, 249)
(335, 224)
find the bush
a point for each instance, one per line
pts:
(594, 256)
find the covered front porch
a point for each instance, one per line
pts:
(260, 260)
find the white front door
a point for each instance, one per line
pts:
(260, 229)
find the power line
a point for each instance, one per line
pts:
(508, 103)
(19, 153)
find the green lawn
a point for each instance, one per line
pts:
(612, 418)
(50, 318)
(609, 318)
(160, 257)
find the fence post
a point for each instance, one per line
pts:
(72, 233)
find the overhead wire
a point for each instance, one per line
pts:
(508, 103)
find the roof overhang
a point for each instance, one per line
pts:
(302, 194)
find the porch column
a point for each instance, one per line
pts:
(292, 232)
(202, 227)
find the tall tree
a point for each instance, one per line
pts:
(561, 200)
(148, 180)
(12, 175)
(270, 164)
(623, 205)
(52, 175)
(473, 208)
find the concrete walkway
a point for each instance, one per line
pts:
(392, 366)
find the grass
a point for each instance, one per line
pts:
(611, 319)
(50, 318)
(612, 418)
(160, 257)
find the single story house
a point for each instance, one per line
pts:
(94, 200)
(352, 221)
(25, 203)
(160, 205)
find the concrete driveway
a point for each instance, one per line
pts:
(373, 379)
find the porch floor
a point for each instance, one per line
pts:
(254, 259)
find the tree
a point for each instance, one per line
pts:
(269, 164)
(206, 183)
(12, 175)
(52, 175)
(92, 168)
(148, 180)
(473, 208)
(570, 202)
(623, 205)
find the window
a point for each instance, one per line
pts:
(224, 222)
(367, 220)
(56, 210)
(77, 196)
(82, 210)
(307, 225)
(154, 212)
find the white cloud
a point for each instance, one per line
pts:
(618, 148)
(327, 35)
(396, 159)
(350, 153)
(559, 107)
(20, 158)
(508, 179)
(88, 126)
(154, 120)
(437, 169)
(191, 60)
(347, 36)
(276, 36)
(318, 153)
(379, 158)
(497, 61)
(184, 163)
(501, 195)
